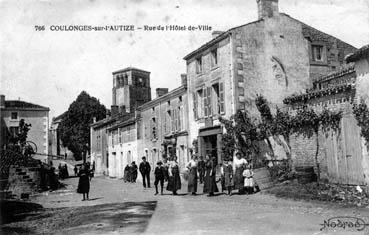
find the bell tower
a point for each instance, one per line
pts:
(131, 88)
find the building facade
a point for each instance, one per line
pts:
(12, 111)
(275, 56)
(164, 125)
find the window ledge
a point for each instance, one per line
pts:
(318, 63)
(215, 67)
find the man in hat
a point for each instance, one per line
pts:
(145, 169)
(159, 177)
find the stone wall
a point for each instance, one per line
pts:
(24, 180)
(335, 51)
(271, 58)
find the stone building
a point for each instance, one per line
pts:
(12, 111)
(164, 124)
(275, 56)
(131, 88)
(56, 147)
(343, 155)
(122, 145)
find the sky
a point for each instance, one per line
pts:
(51, 68)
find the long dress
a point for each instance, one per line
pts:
(210, 186)
(228, 175)
(174, 182)
(127, 174)
(84, 182)
(192, 177)
(239, 165)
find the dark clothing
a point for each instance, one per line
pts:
(145, 167)
(84, 181)
(159, 178)
(228, 175)
(238, 178)
(146, 178)
(127, 174)
(145, 172)
(192, 180)
(201, 169)
(159, 173)
(133, 172)
(174, 182)
(210, 185)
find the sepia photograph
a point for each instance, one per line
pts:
(184, 117)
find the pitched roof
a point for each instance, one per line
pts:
(217, 39)
(362, 52)
(18, 104)
(130, 68)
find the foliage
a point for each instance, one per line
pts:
(361, 113)
(243, 132)
(18, 141)
(75, 125)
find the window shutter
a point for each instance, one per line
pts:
(195, 105)
(221, 97)
(209, 101)
(205, 102)
(179, 119)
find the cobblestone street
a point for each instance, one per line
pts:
(123, 208)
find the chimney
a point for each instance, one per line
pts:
(161, 92)
(114, 110)
(184, 79)
(215, 34)
(2, 101)
(267, 8)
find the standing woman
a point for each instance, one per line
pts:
(228, 176)
(238, 166)
(210, 185)
(174, 182)
(192, 177)
(84, 182)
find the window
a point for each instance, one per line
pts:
(14, 116)
(207, 101)
(214, 58)
(318, 53)
(14, 131)
(218, 101)
(195, 104)
(199, 65)
(153, 129)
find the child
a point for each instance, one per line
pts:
(159, 177)
(227, 174)
(222, 178)
(248, 181)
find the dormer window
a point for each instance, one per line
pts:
(199, 65)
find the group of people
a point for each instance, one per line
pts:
(63, 171)
(130, 173)
(235, 175)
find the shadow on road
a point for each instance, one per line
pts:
(130, 217)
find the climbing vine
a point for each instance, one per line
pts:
(243, 132)
(361, 113)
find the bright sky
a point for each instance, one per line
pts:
(51, 68)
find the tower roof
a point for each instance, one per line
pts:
(129, 69)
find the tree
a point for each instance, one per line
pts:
(75, 125)
(18, 141)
